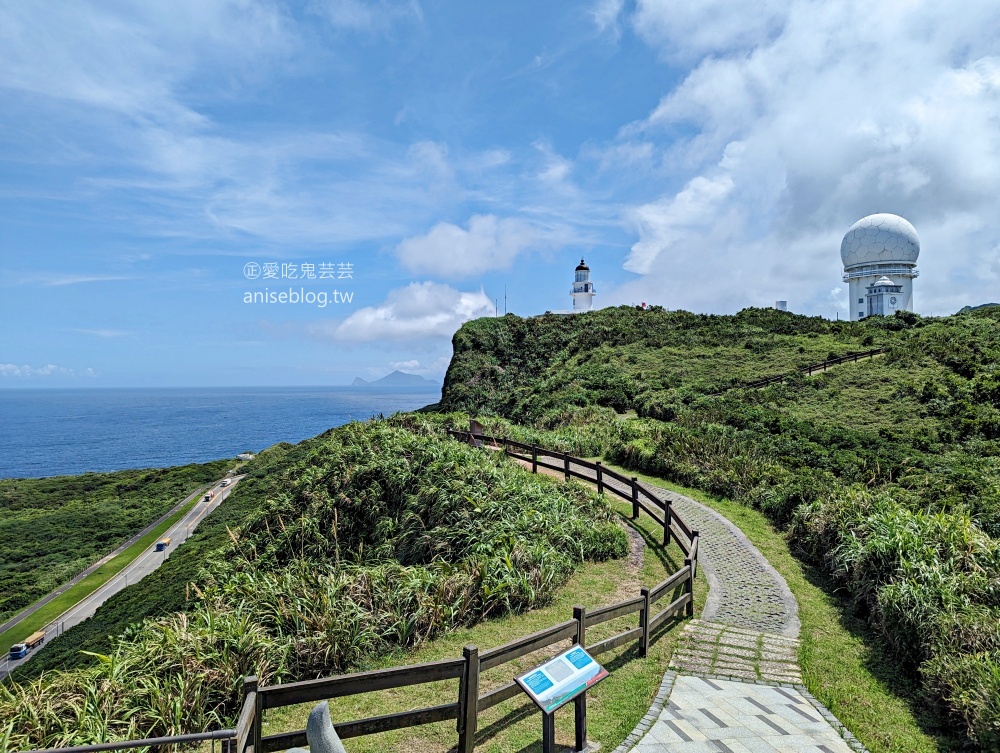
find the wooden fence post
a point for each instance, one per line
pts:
(600, 478)
(635, 498)
(666, 522)
(644, 622)
(566, 465)
(506, 446)
(689, 589)
(468, 702)
(534, 459)
(694, 560)
(580, 702)
(250, 686)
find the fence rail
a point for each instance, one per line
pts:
(247, 736)
(807, 370)
(628, 488)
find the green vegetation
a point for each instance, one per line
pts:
(54, 528)
(885, 473)
(369, 538)
(106, 572)
(614, 707)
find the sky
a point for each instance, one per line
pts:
(398, 167)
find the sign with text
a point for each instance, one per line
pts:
(561, 679)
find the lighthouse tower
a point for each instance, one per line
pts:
(583, 289)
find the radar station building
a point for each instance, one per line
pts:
(583, 289)
(880, 262)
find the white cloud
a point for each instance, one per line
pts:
(368, 15)
(605, 14)
(30, 372)
(488, 244)
(420, 310)
(794, 120)
(410, 365)
(692, 28)
(80, 279)
(664, 223)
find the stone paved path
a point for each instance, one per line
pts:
(723, 716)
(734, 684)
(712, 648)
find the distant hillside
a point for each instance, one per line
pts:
(53, 528)
(625, 357)
(395, 379)
(966, 309)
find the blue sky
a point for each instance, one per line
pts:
(701, 155)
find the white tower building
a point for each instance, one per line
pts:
(583, 289)
(876, 247)
(883, 297)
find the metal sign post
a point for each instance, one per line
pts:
(563, 678)
(548, 732)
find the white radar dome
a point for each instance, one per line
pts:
(880, 238)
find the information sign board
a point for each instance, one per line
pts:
(561, 679)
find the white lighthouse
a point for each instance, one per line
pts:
(583, 289)
(877, 247)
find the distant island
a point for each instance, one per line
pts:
(395, 379)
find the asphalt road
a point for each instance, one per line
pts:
(142, 566)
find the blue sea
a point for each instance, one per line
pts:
(57, 432)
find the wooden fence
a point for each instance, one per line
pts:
(808, 370)
(469, 702)
(628, 488)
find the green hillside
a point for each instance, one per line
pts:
(54, 528)
(885, 472)
(366, 539)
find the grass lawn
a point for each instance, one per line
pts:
(614, 706)
(103, 574)
(840, 658)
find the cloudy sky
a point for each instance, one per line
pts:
(408, 162)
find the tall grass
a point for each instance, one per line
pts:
(370, 537)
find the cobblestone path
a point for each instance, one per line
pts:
(734, 683)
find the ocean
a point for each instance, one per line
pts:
(55, 432)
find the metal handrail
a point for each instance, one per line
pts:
(222, 734)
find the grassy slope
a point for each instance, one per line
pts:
(162, 592)
(521, 368)
(329, 554)
(613, 708)
(919, 429)
(53, 528)
(105, 573)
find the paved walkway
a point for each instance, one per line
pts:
(734, 684)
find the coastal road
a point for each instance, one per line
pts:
(142, 566)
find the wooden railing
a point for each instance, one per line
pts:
(628, 488)
(247, 737)
(807, 370)
(468, 703)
